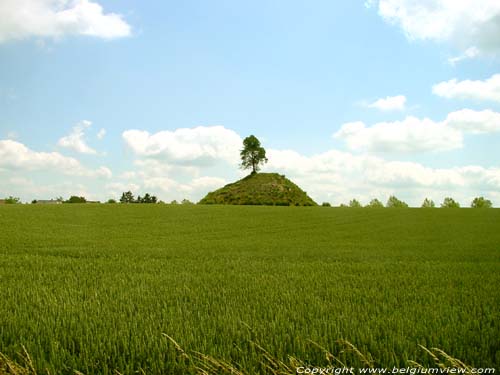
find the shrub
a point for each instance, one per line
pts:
(354, 203)
(375, 203)
(76, 199)
(480, 202)
(428, 203)
(450, 203)
(394, 202)
(326, 204)
(12, 200)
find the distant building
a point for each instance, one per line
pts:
(48, 201)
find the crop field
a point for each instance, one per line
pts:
(94, 287)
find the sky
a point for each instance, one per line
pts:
(351, 99)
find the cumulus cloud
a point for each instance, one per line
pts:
(390, 103)
(418, 135)
(16, 156)
(464, 23)
(207, 183)
(409, 135)
(194, 146)
(115, 189)
(29, 189)
(76, 139)
(488, 89)
(338, 176)
(172, 188)
(475, 122)
(23, 19)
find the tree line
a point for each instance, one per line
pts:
(393, 202)
(127, 197)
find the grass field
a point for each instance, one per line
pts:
(93, 287)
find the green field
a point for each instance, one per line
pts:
(93, 287)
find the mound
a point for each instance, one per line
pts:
(270, 189)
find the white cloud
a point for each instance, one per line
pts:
(23, 19)
(418, 135)
(474, 122)
(16, 156)
(390, 103)
(166, 185)
(29, 189)
(169, 188)
(409, 135)
(195, 146)
(76, 139)
(115, 189)
(338, 176)
(488, 89)
(207, 183)
(101, 133)
(464, 23)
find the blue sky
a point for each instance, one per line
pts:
(352, 99)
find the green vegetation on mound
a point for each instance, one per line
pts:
(269, 189)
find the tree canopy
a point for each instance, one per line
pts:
(354, 203)
(76, 199)
(481, 202)
(12, 200)
(252, 154)
(450, 203)
(375, 203)
(394, 202)
(428, 203)
(128, 197)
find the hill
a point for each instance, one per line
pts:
(269, 189)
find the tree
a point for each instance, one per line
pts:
(12, 200)
(428, 203)
(253, 154)
(127, 197)
(480, 202)
(394, 202)
(149, 198)
(450, 203)
(186, 201)
(111, 201)
(375, 203)
(76, 199)
(174, 202)
(326, 204)
(354, 203)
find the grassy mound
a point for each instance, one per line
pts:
(270, 189)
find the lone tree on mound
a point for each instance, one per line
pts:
(253, 154)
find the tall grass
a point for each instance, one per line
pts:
(92, 287)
